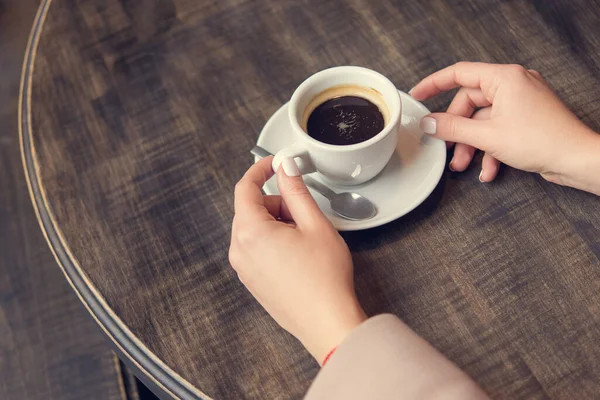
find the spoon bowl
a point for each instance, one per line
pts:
(352, 206)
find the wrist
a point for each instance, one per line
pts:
(581, 169)
(333, 328)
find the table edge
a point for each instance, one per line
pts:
(148, 367)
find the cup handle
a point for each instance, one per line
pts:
(300, 156)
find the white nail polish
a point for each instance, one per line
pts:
(480, 175)
(428, 125)
(290, 167)
(450, 166)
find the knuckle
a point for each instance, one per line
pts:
(516, 70)
(234, 257)
(245, 237)
(493, 86)
(453, 128)
(536, 74)
(238, 186)
(249, 235)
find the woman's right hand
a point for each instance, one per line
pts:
(521, 122)
(292, 260)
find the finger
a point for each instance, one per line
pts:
(466, 101)
(483, 114)
(468, 74)
(277, 208)
(489, 168)
(463, 155)
(489, 165)
(248, 198)
(457, 129)
(300, 203)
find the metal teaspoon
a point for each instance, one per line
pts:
(347, 205)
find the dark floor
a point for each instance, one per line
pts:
(50, 348)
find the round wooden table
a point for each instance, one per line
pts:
(136, 121)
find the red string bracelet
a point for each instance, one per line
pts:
(328, 356)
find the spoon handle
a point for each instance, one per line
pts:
(310, 182)
(319, 187)
(260, 152)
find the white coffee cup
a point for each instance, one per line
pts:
(348, 164)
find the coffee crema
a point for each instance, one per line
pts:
(345, 115)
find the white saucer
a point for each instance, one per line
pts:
(408, 179)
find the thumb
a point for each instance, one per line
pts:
(295, 194)
(454, 128)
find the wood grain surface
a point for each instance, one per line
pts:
(141, 115)
(50, 348)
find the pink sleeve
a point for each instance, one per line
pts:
(384, 359)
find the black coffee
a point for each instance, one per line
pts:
(345, 120)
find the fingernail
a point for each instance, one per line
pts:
(450, 166)
(428, 125)
(480, 175)
(290, 167)
(411, 90)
